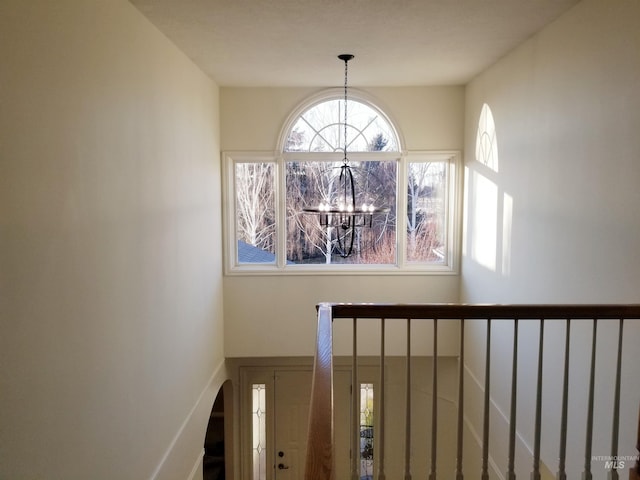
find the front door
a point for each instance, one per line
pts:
(292, 394)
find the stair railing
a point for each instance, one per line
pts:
(320, 449)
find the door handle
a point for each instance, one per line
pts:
(282, 466)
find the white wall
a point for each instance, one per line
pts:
(559, 221)
(111, 340)
(276, 315)
(567, 112)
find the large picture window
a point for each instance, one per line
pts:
(309, 183)
(269, 197)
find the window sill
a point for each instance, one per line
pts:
(341, 270)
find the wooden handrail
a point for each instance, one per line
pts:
(320, 458)
(448, 311)
(320, 455)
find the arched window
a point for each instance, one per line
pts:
(320, 128)
(314, 154)
(270, 227)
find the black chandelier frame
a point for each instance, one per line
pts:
(345, 217)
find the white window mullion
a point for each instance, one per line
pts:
(229, 212)
(454, 229)
(401, 212)
(281, 213)
(372, 138)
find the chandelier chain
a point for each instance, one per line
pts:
(346, 63)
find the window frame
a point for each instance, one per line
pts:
(402, 265)
(279, 157)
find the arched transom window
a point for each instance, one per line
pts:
(320, 128)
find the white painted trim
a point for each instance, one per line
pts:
(218, 377)
(401, 267)
(501, 414)
(334, 93)
(480, 386)
(472, 429)
(478, 440)
(230, 245)
(196, 466)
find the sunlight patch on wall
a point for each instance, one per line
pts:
(486, 140)
(484, 221)
(465, 212)
(507, 223)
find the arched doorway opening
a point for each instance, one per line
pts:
(217, 461)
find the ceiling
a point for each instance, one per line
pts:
(395, 43)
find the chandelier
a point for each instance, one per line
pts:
(339, 215)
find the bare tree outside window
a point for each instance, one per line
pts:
(255, 205)
(321, 129)
(311, 183)
(267, 224)
(426, 211)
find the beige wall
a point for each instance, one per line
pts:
(567, 113)
(559, 221)
(428, 118)
(111, 340)
(275, 315)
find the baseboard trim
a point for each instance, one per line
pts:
(546, 472)
(478, 439)
(196, 466)
(165, 470)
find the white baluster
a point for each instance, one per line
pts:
(434, 404)
(586, 475)
(407, 425)
(613, 473)
(487, 399)
(459, 475)
(511, 474)
(535, 475)
(562, 475)
(355, 408)
(379, 437)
